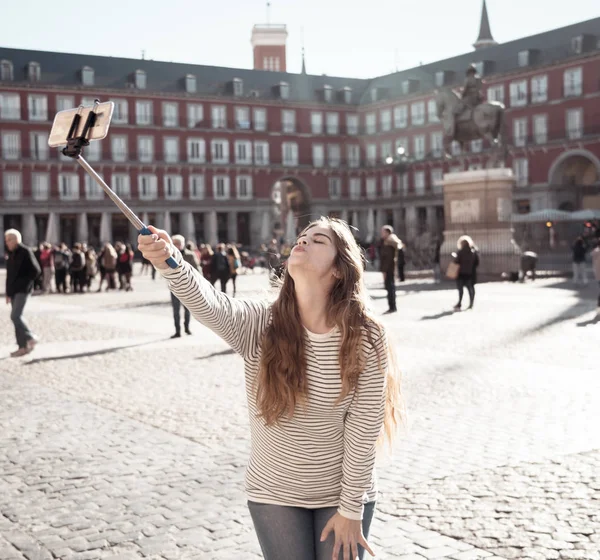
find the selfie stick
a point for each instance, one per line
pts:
(73, 150)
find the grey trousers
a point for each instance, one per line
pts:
(22, 331)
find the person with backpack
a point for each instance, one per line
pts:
(219, 267)
(62, 260)
(109, 263)
(125, 266)
(77, 269)
(233, 258)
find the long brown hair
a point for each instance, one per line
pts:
(281, 383)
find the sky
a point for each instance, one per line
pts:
(351, 38)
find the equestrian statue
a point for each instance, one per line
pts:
(469, 117)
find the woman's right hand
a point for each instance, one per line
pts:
(157, 248)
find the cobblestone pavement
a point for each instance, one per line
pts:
(117, 442)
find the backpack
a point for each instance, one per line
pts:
(222, 265)
(60, 260)
(78, 261)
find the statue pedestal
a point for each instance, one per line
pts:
(478, 203)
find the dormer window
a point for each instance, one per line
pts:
(6, 71)
(327, 93)
(284, 90)
(87, 76)
(440, 79)
(190, 83)
(373, 93)
(409, 86)
(34, 72)
(577, 44)
(480, 67)
(238, 87)
(140, 79)
(347, 93)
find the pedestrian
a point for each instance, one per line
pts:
(388, 257)
(62, 261)
(322, 391)
(77, 269)
(22, 270)
(401, 261)
(125, 266)
(38, 283)
(233, 258)
(191, 258)
(467, 260)
(206, 254)
(219, 267)
(579, 250)
(109, 263)
(91, 267)
(47, 265)
(437, 271)
(596, 267)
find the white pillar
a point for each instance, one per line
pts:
(29, 230)
(266, 227)
(186, 224)
(145, 218)
(82, 228)
(167, 223)
(52, 233)
(210, 227)
(232, 232)
(106, 228)
(344, 215)
(411, 222)
(432, 225)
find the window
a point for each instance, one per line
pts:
(34, 72)
(260, 119)
(11, 145)
(6, 71)
(171, 146)
(195, 114)
(121, 111)
(385, 120)
(289, 153)
(68, 186)
(64, 102)
(540, 129)
(10, 106)
(121, 184)
(520, 132)
(170, 114)
(437, 144)
(437, 177)
(333, 155)
(496, 93)
(143, 112)
(318, 154)
(419, 178)
(523, 59)
(440, 79)
(455, 148)
(521, 171)
(13, 189)
(243, 152)
(288, 121)
(242, 118)
(88, 101)
(355, 188)
(87, 76)
(196, 150)
(351, 124)
(316, 123)
(93, 191)
(284, 87)
(573, 82)
(417, 113)
(518, 93)
(238, 87)
(118, 147)
(371, 123)
(539, 89)
(40, 186)
(196, 184)
(577, 44)
(327, 93)
(38, 107)
(386, 186)
(219, 116)
(147, 187)
(419, 146)
(371, 154)
(476, 146)
(402, 142)
(271, 63)
(371, 187)
(432, 115)
(574, 123)
(243, 187)
(400, 116)
(385, 150)
(173, 185)
(347, 93)
(38, 142)
(219, 150)
(221, 187)
(261, 153)
(373, 94)
(190, 83)
(333, 123)
(335, 187)
(353, 154)
(145, 148)
(93, 152)
(140, 79)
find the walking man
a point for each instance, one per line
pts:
(388, 257)
(22, 269)
(191, 258)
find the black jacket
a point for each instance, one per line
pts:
(468, 261)
(22, 269)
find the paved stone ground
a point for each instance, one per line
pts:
(116, 442)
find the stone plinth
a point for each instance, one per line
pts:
(478, 203)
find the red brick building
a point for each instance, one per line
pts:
(205, 150)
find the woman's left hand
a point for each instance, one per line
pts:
(348, 534)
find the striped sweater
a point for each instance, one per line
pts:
(324, 455)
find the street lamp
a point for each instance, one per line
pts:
(401, 162)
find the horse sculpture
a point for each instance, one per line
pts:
(486, 120)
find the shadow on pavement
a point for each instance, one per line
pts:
(227, 352)
(594, 321)
(437, 316)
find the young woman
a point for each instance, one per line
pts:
(322, 389)
(233, 258)
(468, 260)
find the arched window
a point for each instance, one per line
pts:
(6, 71)
(34, 72)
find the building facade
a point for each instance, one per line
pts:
(212, 152)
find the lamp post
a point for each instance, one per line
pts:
(401, 162)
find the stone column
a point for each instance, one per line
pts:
(232, 232)
(82, 228)
(133, 235)
(432, 225)
(52, 229)
(106, 228)
(186, 223)
(166, 220)
(29, 232)
(411, 222)
(344, 215)
(2, 241)
(210, 227)
(266, 227)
